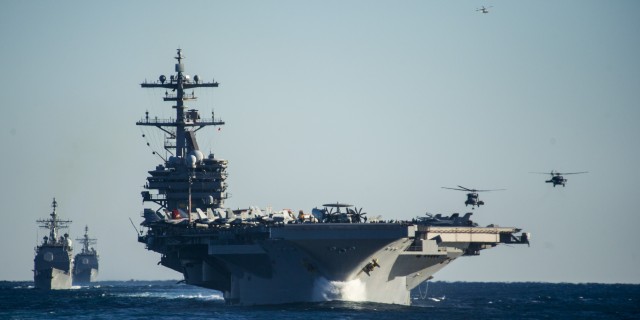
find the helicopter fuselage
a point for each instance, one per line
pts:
(556, 180)
(472, 199)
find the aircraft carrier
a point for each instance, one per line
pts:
(53, 261)
(262, 256)
(86, 263)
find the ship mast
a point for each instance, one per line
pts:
(53, 224)
(86, 241)
(184, 120)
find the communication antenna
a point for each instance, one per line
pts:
(134, 227)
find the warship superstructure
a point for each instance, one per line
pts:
(255, 256)
(53, 261)
(85, 263)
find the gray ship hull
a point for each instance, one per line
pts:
(319, 262)
(52, 279)
(52, 267)
(85, 269)
(85, 276)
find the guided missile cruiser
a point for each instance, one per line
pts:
(53, 261)
(85, 265)
(259, 256)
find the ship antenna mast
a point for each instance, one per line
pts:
(86, 241)
(53, 223)
(184, 119)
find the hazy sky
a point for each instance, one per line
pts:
(375, 103)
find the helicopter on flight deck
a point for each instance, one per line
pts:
(557, 177)
(472, 196)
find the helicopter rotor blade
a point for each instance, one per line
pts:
(471, 190)
(490, 190)
(576, 172)
(455, 189)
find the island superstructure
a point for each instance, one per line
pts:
(53, 261)
(255, 256)
(86, 263)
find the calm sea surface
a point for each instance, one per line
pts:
(437, 300)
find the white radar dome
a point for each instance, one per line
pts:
(190, 161)
(198, 154)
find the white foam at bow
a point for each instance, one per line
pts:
(325, 290)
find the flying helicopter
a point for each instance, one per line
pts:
(484, 9)
(557, 177)
(472, 196)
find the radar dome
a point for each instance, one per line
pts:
(198, 154)
(191, 161)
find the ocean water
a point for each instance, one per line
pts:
(435, 300)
